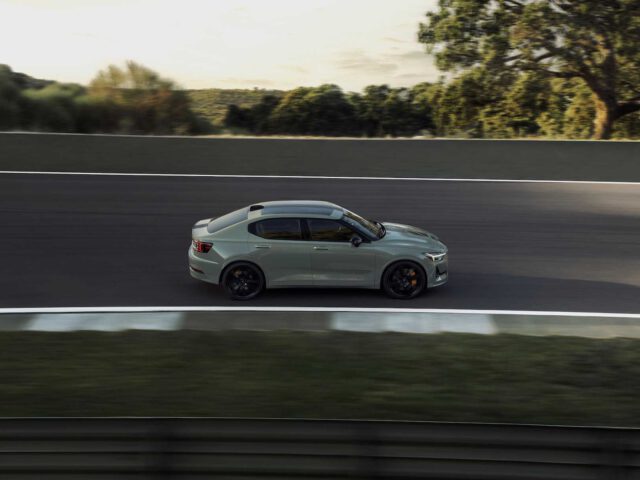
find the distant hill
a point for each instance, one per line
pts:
(24, 81)
(212, 103)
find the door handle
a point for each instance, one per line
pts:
(321, 248)
(263, 246)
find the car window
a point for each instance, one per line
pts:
(329, 230)
(278, 229)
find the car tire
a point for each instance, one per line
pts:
(242, 281)
(404, 280)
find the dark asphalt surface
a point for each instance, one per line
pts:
(122, 241)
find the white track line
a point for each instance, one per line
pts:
(308, 309)
(319, 177)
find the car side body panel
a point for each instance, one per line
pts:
(285, 263)
(340, 264)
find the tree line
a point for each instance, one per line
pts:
(327, 110)
(472, 105)
(516, 68)
(129, 100)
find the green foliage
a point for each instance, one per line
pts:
(53, 107)
(385, 111)
(427, 101)
(212, 103)
(10, 100)
(130, 100)
(515, 111)
(595, 41)
(559, 96)
(461, 103)
(323, 110)
(148, 103)
(578, 117)
(255, 119)
(327, 110)
(628, 127)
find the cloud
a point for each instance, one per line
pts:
(395, 40)
(413, 55)
(295, 68)
(259, 82)
(410, 76)
(361, 62)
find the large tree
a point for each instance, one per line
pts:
(597, 41)
(323, 110)
(151, 103)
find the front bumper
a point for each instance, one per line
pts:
(439, 275)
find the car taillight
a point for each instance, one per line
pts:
(201, 247)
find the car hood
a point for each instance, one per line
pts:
(410, 235)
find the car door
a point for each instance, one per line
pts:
(334, 260)
(278, 246)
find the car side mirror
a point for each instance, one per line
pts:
(356, 241)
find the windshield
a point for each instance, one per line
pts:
(372, 228)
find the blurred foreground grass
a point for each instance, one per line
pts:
(449, 377)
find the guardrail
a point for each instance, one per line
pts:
(191, 448)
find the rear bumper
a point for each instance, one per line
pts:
(202, 269)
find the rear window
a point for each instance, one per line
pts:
(278, 229)
(227, 220)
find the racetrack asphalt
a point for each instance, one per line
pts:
(122, 241)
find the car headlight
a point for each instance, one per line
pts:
(435, 257)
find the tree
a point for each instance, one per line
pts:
(323, 110)
(424, 97)
(382, 111)
(597, 41)
(372, 109)
(149, 102)
(53, 108)
(255, 118)
(516, 113)
(10, 100)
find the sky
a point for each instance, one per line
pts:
(274, 44)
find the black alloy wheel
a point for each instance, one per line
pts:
(404, 280)
(243, 281)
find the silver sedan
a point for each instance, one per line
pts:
(313, 244)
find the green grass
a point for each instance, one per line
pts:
(452, 377)
(212, 103)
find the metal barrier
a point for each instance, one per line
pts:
(194, 448)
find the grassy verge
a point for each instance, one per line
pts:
(451, 377)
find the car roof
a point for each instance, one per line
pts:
(295, 207)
